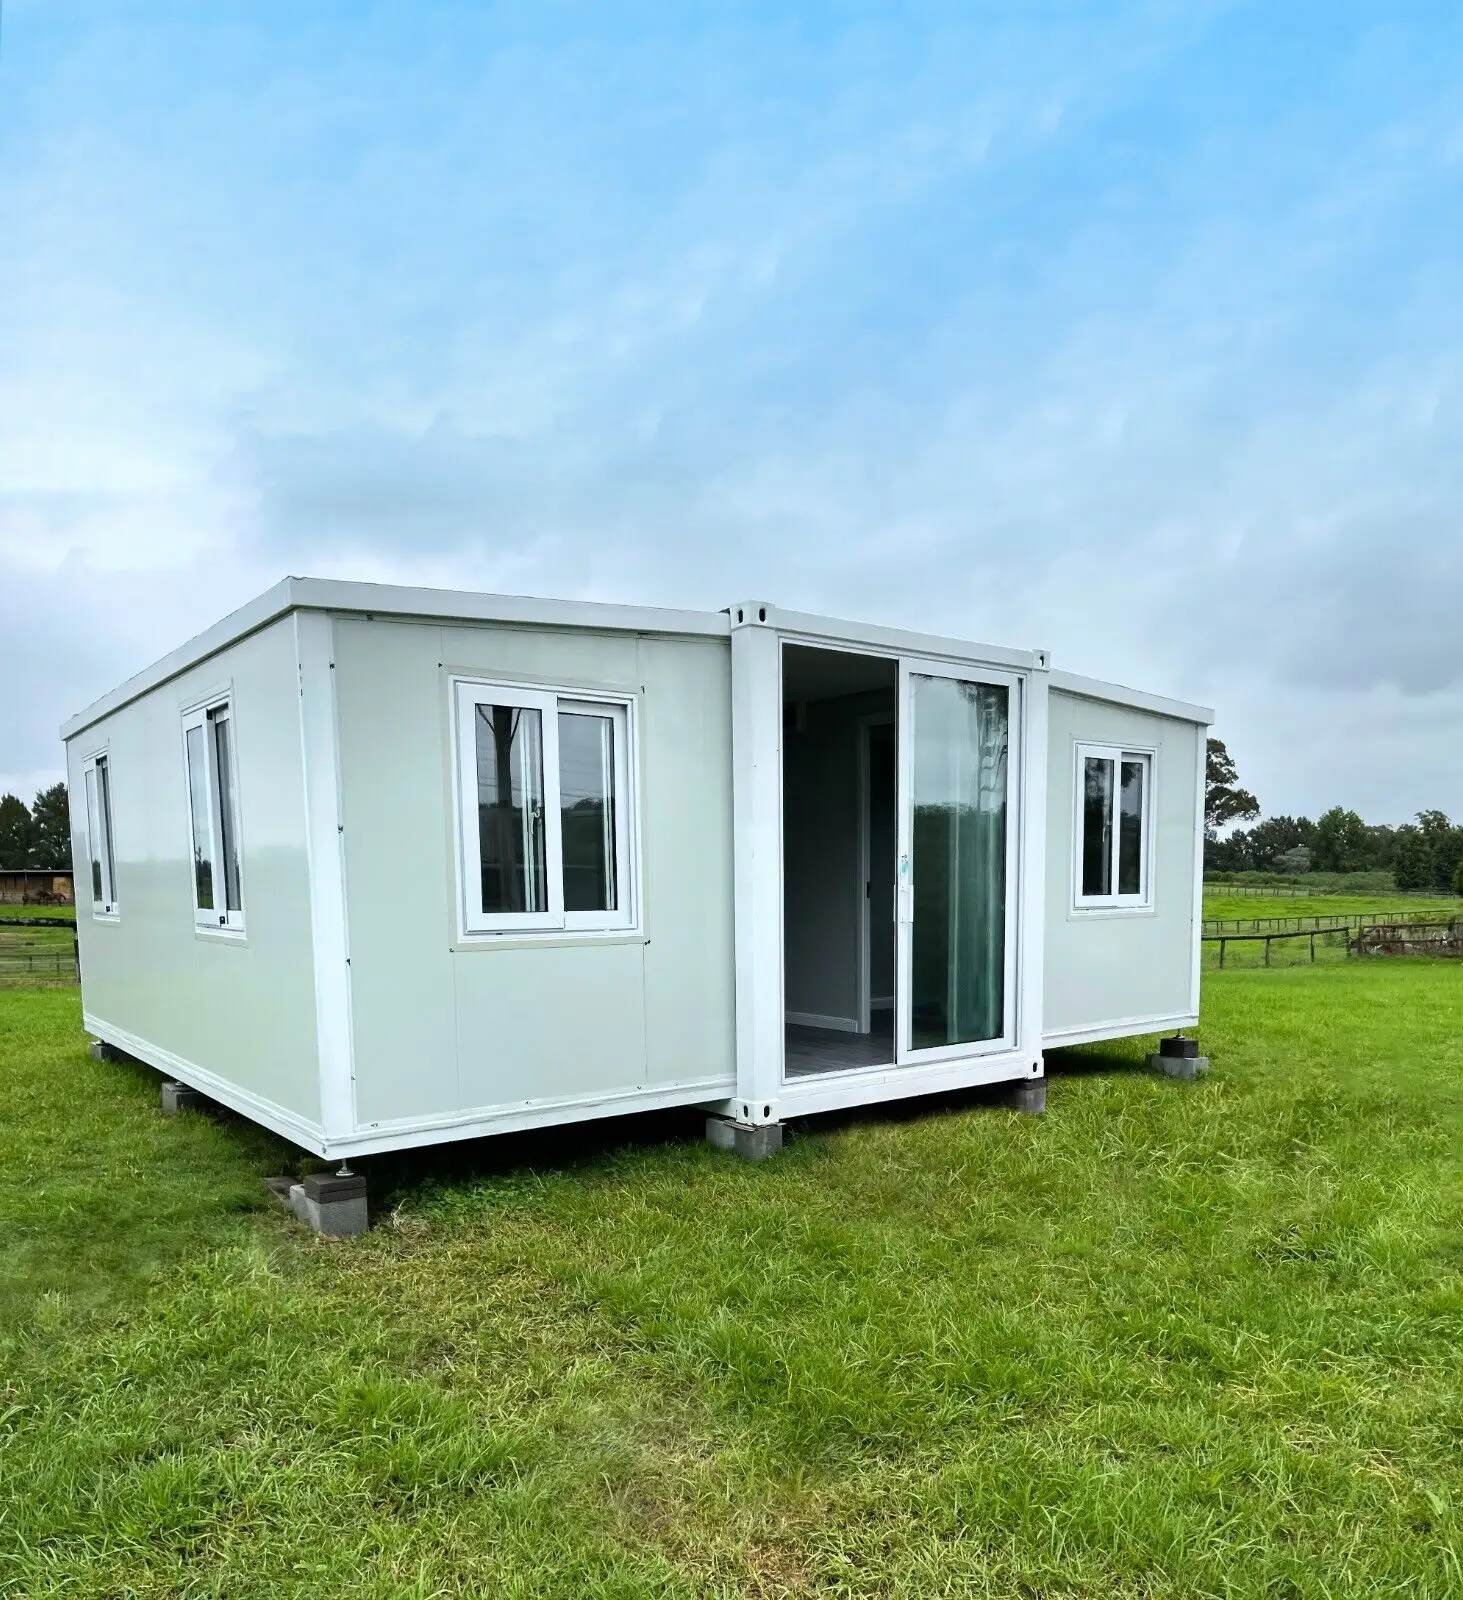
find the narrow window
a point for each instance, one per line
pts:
(510, 808)
(1113, 844)
(99, 837)
(1130, 830)
(202, 825)
(228, 842)
(587, 810)
(210, 763)
(544, 806)
(1097, 826)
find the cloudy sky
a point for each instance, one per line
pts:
(1131, 331)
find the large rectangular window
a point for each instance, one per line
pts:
(544, 810)
(100, 859)
(1113, 807)
(213, 815)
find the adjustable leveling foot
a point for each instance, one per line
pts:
(332, 1203)
(1178, 1058)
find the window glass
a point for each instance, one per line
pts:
(1130, 830)
(510, 805)
(961, 739)
(228, 843)
(199, 816)
(99, 893)
(587, 810)
(1097, 818)
(103, 771)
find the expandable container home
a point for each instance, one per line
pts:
(381, 867)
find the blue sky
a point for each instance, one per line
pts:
(1133, 332)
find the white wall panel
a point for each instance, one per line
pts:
(242, 1010)
(1111, 967)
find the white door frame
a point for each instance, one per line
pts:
(872, 719)
(904, 1053)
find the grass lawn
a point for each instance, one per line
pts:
(1249, 907)
(1168, 1340)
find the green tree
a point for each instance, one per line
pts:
(51, 828)
(1224, 800)
(1447, 858)
(16, 832)
(1458, 881)
(1340, 842)
(1413, 863)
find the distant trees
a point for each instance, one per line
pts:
(16, 832)
(37, 835)
(1224, 800)
(1425, 854)
(1340, 842)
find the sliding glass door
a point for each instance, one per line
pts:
(957, 861)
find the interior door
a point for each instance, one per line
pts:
(958, 824)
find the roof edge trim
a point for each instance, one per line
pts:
(1135, 699)
(392, 600)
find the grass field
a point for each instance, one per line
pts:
(1219, 904)
(1169, 1340)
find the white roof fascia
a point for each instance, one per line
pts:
(1136, 699)
(258, 613)
(832, 632)
(392, 600)
(462, 605)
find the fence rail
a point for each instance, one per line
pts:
(59, 966)
(1320, 923)
(1403, 936)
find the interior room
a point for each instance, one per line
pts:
(840, 843)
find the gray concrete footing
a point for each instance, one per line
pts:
(1027, 1094)
(334, 1206)
(751, 1141)
(102, 1051)
(179, 1097)
(1185, 1067)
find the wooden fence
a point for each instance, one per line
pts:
(1402, 937)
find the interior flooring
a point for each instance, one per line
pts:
(807, 1051)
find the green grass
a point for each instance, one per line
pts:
(1250, 907)
(1169, 1340)
(56, 913)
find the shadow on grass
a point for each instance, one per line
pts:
(393, 1176)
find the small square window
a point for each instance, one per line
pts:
(101, 862)
(1114, 804)
(544, 810)
(213, 815)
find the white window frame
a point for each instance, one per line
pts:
(1117, 754)
(204, 715)
(467, 695)
(97, 798)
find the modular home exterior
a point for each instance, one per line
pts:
(382, 867)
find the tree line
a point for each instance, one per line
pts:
(36, 835)
(1424, 854)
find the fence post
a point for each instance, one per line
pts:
(1267, 949)
(1313, 949)
(1222, 944)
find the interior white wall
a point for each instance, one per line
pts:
(823, 885)
(444, 1028)
(217, 1011)
(1119, 971)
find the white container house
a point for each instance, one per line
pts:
(381, 867)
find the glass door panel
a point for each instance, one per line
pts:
(955, 862)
